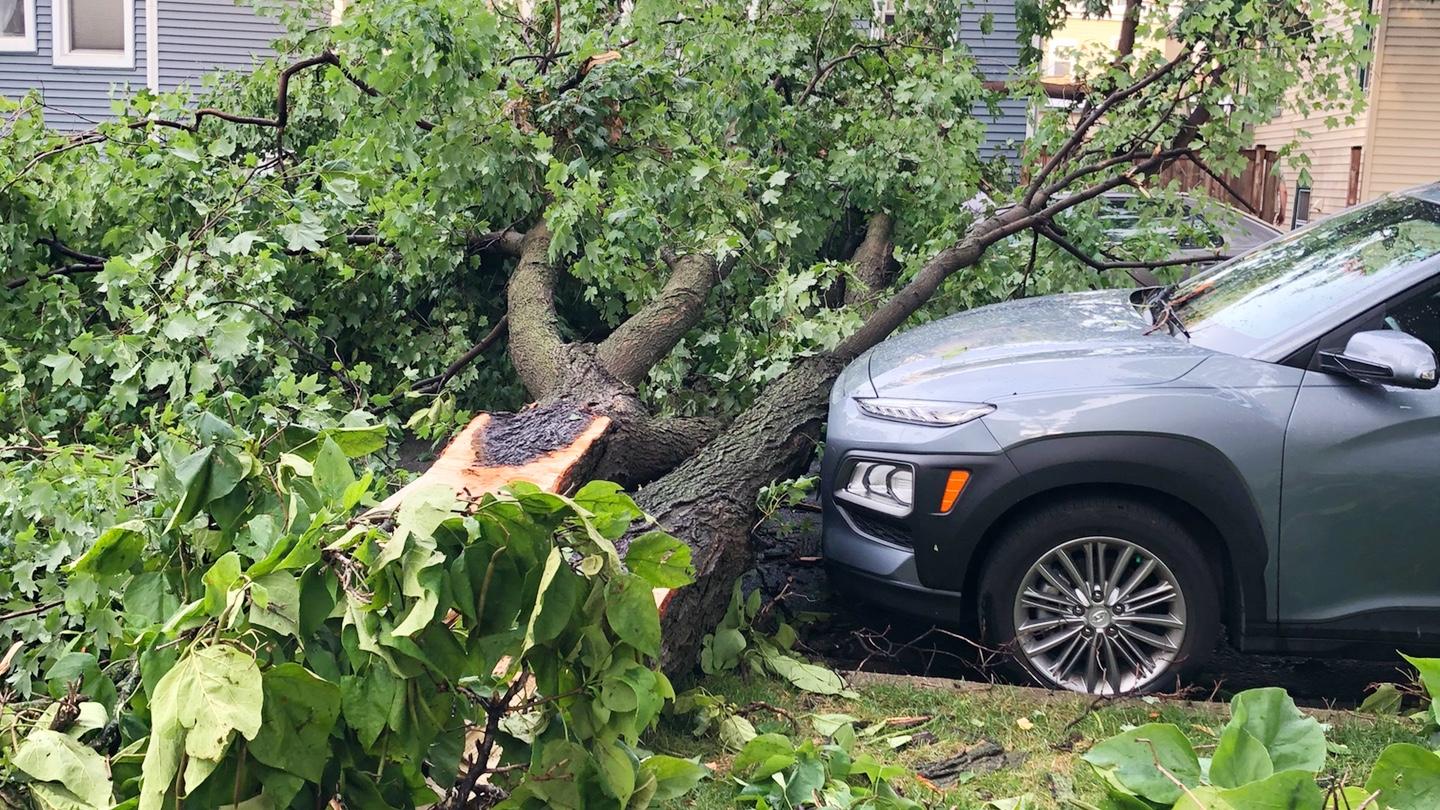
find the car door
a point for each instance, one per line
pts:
(1360, 508)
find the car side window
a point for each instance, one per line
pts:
(1419, 317)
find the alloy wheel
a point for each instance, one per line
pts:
(1099, 615)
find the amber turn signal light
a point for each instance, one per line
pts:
(954, 485)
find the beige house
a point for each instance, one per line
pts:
(1393, 144)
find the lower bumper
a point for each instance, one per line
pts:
(936, 607)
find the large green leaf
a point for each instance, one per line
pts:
(208, 473)
(49, 756)
(275, 603)
(555, 601)
(764, 755)
(1294, 741)
(1239, 759)
(1132, 758)
(1286, 790)
(299, 712)
(674, 777)
(803, 675)
(199, 705)
(661, 560)
(114, 551)
(1429, 669)
(332, 473)
(630, 610)
(1407, 778)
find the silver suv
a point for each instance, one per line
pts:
(1102, 479)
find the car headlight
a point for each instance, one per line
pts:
(884, 485)
(923, 411)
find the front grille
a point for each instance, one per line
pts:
(880, 529)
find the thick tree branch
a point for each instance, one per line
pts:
(872, 260)
(535, 341)
(1129, 21)
(647, 336)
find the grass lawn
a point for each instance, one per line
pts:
(1052, 730)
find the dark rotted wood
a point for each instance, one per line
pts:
(515, 439)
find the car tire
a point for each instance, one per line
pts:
(1124, 638)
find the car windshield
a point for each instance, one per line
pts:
(1243, 304)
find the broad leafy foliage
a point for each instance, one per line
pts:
(1268, 756)
(265, 642)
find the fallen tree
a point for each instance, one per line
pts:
(644, 185)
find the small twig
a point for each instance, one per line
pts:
(432, 385)
(31, 611)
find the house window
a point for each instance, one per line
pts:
(17, 25)
(95, 33)
(1060, 59)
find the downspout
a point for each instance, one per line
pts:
(152, 45)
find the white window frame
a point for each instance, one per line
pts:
(26, 42)
(1052, 57)
(65, 56)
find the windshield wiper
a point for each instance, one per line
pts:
(1162, 311)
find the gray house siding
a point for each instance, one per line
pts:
(198, 36)
(74, 97)
(194, 38)
(997, 54)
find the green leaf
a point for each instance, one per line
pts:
(222, 577)
(617, 770)
(1407, 778)
(203, 476)
(764, 750)
(735, 731)
(199, 705)
(611, 508)
(720, 651)
(117, 548)
(554, 602)
(662, 560)
(1286, 790)
(64, 368)
(1131, 758)
(332, 472)
(1294, 741)
(802, 675)
(1386, 699)
(300, 710)
(357, 442)
(630, 610)
(280, 610)
(674, 777)
(49, 756)
(1239, 759)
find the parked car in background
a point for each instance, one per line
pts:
(1211, 228)
(1103, 479)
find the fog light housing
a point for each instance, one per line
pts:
(884, 486)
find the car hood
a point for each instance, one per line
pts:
(1056, 342)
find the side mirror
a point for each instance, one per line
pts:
(1386, 357)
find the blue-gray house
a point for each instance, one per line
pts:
(77, 52)
(989, 30)
(997, 54)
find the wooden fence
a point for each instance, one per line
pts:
(1255, 190)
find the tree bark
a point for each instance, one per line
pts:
(873, 261)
